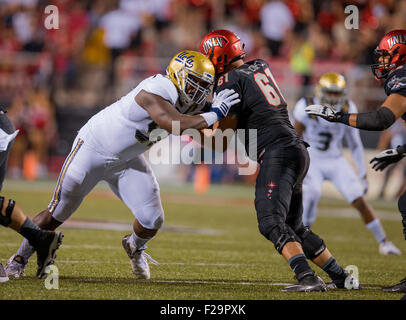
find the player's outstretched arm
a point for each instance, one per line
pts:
(163, 113)
(387, 157)
(392, 109)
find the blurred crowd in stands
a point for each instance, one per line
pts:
(99, 43)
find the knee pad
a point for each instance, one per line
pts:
(282, 234)
(5, 218)
(312, 244)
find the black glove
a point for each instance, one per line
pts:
(387, 157)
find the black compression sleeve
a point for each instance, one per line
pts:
(378, 120)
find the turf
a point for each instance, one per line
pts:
(211, 249)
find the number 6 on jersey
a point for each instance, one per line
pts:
(264, 82)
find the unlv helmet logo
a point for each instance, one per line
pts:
(213, 42)
(401, 38)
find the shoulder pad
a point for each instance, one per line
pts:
(396, 80)
(346, 106)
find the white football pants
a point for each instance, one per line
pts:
(336, 170)
(131, 180)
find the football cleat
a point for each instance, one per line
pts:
(307, 283)
(46, 251)
(399, 287)
(15, 266)
(138, 259)
(348, 282)
(3, 275)
(387, 248)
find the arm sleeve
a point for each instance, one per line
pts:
(378, 120)
(353, 139)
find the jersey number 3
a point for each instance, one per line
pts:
(264, 81)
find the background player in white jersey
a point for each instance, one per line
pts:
(327, 161)
(111, 144)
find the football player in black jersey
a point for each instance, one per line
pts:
(390, 66)
(11, 215)
(283, 160)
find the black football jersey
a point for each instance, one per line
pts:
(396, 83)
(262, 106)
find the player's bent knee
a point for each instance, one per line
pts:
(5, 215)
(159, 221)
(312, 244)
(280, 235)
(152, 222)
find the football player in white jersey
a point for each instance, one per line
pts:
(111, 144)
(327, 161)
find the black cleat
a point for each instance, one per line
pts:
(399, 287)
(308, 282)
(46, 251)
(347, 282)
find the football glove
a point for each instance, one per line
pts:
(223, 101)
(324, 112)
(387, 157)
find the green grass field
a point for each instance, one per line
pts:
(210, 248)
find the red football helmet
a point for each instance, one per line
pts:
(222, 47)
(390, 53)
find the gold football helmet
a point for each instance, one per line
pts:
(193, 75)
(331, 90)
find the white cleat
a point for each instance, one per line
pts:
(3, 276)
(15, 267)
(387, 248)
(349, 283)
(138, 259)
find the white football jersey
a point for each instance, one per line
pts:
(325, 138)
(122, 129)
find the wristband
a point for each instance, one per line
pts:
(210, 117)
(343, 118)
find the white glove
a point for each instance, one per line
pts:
(223, 101)
(322, 111)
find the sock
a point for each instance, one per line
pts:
(376, 228)
(299, 264)
(25, 250)
(333, 269)
(139, 243)
(30, 231)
